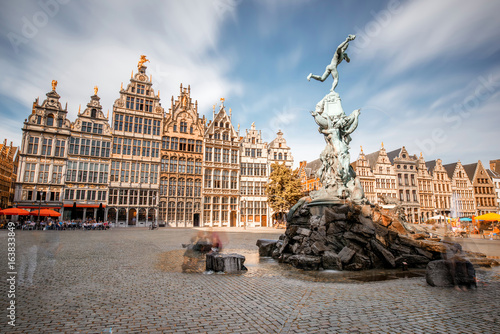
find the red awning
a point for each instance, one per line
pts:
(84, 205)
(41, 207)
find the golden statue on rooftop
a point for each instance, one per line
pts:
(96, 89)
(142, 61)
(54, 85)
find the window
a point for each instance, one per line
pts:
(140, 89)
(147, 126)
(174, 145)
(139, 104)
(225, 156)
(182, 144)
(29, 172)
(208, 154)
(190, 166)
(46, 146)
(217, 152)
(182, 165)
(189, 188)
(197, 168)
(149, 106)
(225, 179)
(172, 186)
(180, 188)
(208, 178)
(173, 165)
(128, 123)
(119, 122)
(50, 120)
(165, 143)
(156, 128)
(59, 148)
(60, 122)
(217, 183)
(234, 156)
(130, 102)
(183, 127)
(199, 146)
(164, 164)
(190, 146)
(138, 125)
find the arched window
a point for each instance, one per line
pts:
(190, 166)
(173, 164)
(162, 211)
(163, 186)
(197, 188)
(172, 185)
(171, 212)
(225, 179)
(280, 156)
(50, 120)
(182, 165)
(164, 163)
(189, 188)
(197, 168)
(189, 211)
(180, 212)
(180, 188)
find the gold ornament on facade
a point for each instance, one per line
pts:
(54, 85)
(142, 61)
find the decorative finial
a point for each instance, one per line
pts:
(142, 61)
(361, 148)
(214, 107)
(96, 89)
(238, 127)
(150, 78)
(222, 100)
(107, 116)
(132, 74)
(79, 108)
(158, 93)
(382, 144)
(121, 87)
(253, 125)
(421, 154)
(54, 85)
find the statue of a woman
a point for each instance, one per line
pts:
(331, 68)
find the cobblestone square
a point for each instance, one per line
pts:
(129, 280)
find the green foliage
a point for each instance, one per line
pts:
(284, 188)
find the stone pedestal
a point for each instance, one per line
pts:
(227, 263)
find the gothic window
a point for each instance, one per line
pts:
(173, 165)
(197, 168)
(180, 211)
(189, 188)
(164, 164)
(171, 212)
(190, 166)
(182, 165)
(197, 188)
(172, 186)
(180, 188)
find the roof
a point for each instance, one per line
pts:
(470, 169)
(450, 169)
(312, 167)
(430, 166)
(493, 174)
(393, 154)
(372, 158)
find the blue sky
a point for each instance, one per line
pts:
(426, 74)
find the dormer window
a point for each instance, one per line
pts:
(50, 120)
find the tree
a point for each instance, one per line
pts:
(284, 188)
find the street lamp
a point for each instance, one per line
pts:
(40, 193)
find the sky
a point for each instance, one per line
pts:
(426, 74)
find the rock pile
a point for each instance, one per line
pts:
(351, 237)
